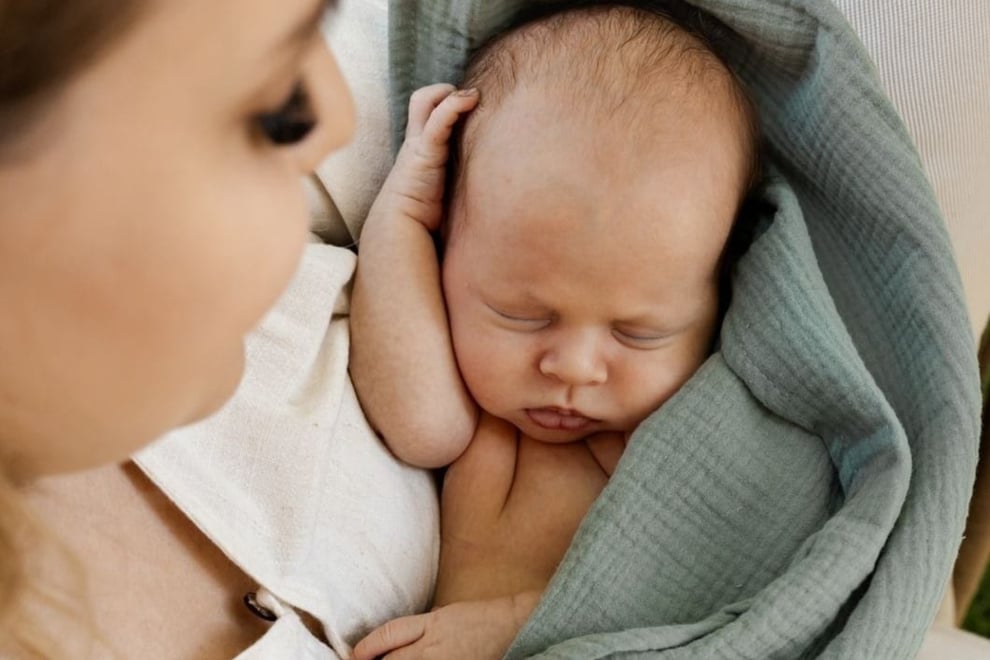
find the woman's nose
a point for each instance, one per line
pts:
(332, 107)
(575, 359)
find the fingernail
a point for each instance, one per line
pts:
(471, 91)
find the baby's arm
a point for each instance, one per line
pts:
(402, 360)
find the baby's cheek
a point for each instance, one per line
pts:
(650, 383)
(479, 366)
(487, 363)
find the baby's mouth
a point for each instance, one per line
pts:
(557, 419)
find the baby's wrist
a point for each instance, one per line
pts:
(405, 198)
(401, 209)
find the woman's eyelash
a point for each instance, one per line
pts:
(291, 122)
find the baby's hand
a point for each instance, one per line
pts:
(415, 185)
(478, 630)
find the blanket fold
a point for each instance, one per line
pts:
(804, 494)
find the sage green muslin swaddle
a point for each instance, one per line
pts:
(804, 494)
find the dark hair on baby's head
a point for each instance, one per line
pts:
(596, 57)
(43, 44)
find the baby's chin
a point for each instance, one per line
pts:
(554, 437)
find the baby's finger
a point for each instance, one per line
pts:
(441, 123)
(421, 105)
(393, 635)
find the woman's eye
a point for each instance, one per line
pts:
(291, 122)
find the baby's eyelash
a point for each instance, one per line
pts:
(291, 122)
(639, 339)
(518, 319)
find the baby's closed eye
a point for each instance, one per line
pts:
(641, 338)
(524, 319)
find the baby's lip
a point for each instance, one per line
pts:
(559, 419)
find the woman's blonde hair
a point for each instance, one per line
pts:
(35, 602)
(43, 45)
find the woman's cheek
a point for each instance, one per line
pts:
(223, 257)
(261, 249)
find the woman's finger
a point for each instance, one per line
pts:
(393, 635)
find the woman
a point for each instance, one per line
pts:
(150, 212)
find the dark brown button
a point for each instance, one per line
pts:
(259, 610)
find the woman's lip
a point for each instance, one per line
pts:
(556, 419)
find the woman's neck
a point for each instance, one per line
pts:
(156, 586)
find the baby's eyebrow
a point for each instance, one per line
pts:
(645, 320)
(639, 322)
(526, 297)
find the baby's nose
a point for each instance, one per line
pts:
(575, 360)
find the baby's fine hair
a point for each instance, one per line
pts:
(603, 61)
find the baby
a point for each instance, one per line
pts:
(604, 157)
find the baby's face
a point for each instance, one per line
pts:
(582, 275)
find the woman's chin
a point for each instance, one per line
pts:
(226, 381)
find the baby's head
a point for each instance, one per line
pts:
(597, 183)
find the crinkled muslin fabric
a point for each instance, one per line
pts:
(804, 494)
